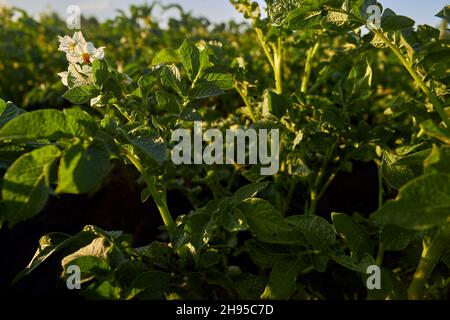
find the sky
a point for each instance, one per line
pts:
(422, 11)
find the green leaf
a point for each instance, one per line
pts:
(283, 277)
(353, 263)
(249, 191)
(275, 104)
(444, 14)
(199, 229)
(208, 258)
(8, 111)
(438, 160)
(397, 174)
(50, 244)
(355, 236)
(25, 184)
(170, 77)
(394, 238)
(392, 287)
(99, 247)
(151, 285)
(223, 81)
(166, 56)
(79, 123)
(90, 266)
(40, 124)
(378, 42)
(102, 290)
(81, 94)
(266, 255)
(100, 71)
(205, 90)
(392, 22)
(435, 131)
(422, 203)
(250, 286)
(83, 166)
(267, 224)
(318, 232)
(234, 221)
(167, 101)
(147, 81)
(151, 145)
(190, 58)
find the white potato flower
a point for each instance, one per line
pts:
(79, 75)
(68, 44)
(78, 50)
(64, 77)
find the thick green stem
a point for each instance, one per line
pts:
(307, 73)
(430, 257)
(278, 64)
(158, 197)
(380, 255)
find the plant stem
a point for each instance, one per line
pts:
(278, 63)
(380, 184)
(264, 46)
(248, 105)
(436, 102)
(430, 257)
(315, 194)
(158, 197)
(380, 256)
(307, 74)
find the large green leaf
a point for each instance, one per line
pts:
(318, 232)
(8, 111)
(267, 224)
(50, 244)
(83, 166)
(397, 172)
(81, 94)
(79, 123)
(47, 123)
(394, 238)
(171, 77)
(26, 183)
(422, 203)
(205, 90)
(166, 56)
(190, 58)
(223, 81)
(392, 22)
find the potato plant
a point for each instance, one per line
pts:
(339, 89)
